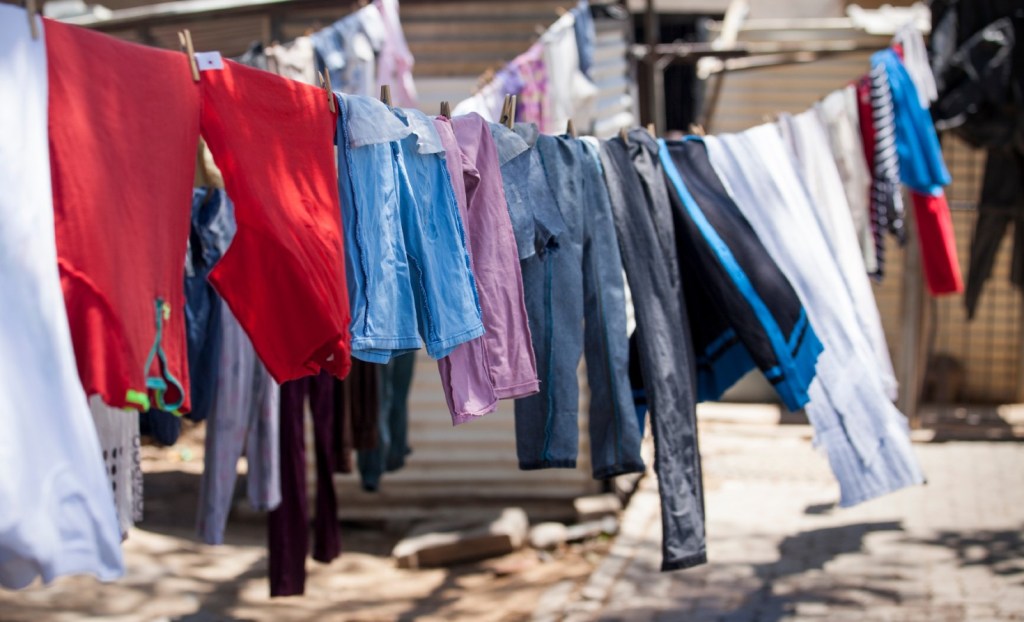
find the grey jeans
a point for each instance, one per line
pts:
(643, 220)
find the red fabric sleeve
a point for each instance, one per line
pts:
(284, 274)
(938, 244)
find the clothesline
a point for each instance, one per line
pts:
(353, 238)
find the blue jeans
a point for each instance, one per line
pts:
(575, 298)
(393, 423)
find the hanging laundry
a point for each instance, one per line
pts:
(808, 145)
(643, 220)
(585, 273)
(923, 170)
(887, 200)
(288, 524)
(395, 61)
(392, 424)
(57, 513)
(570, 95)
(244, 418)
(295, 60)
(743, 310)
(347, 50)
(117, 175)
(118, 431)
(586, 36)
(358, 413)
(915, 59)
(297, 312)
(865, 437)
(409, 266)
(876, 209)
(977, 58)
(532, 100)
(255, 56)
(838, 111)
(500, 364)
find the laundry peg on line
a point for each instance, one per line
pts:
(31, 9)
(512, 112)
(697, 129)
(570, 128)
(185, 38)
(624, 134)
(650, 130)
(385, 94)
(446, 110)
(325, 82)
(505, 111)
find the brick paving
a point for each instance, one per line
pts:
(780, 550)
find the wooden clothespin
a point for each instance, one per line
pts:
(624, 134)
(570, 128)
(697, 129)
(512, 112)
(385, 94)
(31, 10)
(185, 38)
(446, 109)
(650, 130)
(325, 82)
(504, 110)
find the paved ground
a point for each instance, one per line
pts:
(779, 550)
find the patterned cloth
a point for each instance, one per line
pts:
(887, 202)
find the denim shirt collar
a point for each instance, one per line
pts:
(370, 121)
(528, 131)
(509, 144)
(427, 138)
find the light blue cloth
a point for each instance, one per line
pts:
(245, 418)
(865, 437)
(922, 167)
(586, 36)
(405, 255)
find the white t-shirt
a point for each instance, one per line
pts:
(56, 506)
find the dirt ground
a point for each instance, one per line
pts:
(172, 576)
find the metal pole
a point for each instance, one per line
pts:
(912, 326)
(654, 108)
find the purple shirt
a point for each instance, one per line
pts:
(500, 364)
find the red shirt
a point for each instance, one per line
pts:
(284, 274)
(123, 124)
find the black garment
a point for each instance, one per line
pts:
(1002, 203)
(643, 222)
(742, 308)
(977, 54)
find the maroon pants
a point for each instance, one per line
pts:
(288, 525)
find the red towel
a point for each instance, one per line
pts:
(123, 123)
(938, 244)
(284, 274)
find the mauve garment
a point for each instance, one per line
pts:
(500, 364)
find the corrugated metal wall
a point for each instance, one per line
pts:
(472, 467)
(987, 351)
